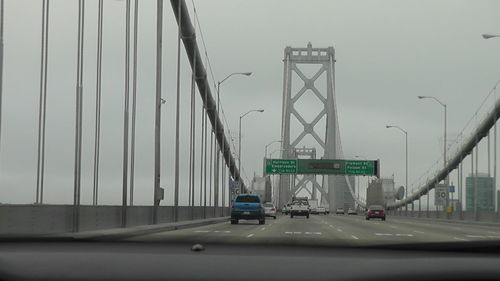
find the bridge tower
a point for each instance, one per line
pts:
(332, 188)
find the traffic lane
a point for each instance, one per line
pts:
(385, 232)
(461, 231)
(432, 231)
(301, 231)
(214, 233)
(284, 231)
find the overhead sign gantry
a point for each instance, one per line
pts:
(323, 167)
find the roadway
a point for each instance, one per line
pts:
(334, 230)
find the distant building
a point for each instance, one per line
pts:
(389, 190)
(262, 186)
(485, 193)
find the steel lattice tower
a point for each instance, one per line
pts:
(333, 189)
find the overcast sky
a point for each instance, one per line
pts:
(387, 53)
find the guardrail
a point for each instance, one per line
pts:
(482, 216)
(47, 219)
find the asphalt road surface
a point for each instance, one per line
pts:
(335, 230)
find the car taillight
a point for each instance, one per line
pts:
(233, 207)
(273, 209)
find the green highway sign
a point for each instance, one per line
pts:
(281, 166)
(323, 167)
(355, 167)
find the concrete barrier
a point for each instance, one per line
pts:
(49, 219)
(467, 216)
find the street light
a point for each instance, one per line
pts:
(488, 36)
(359, 156)
(265, 151)
(271, 154)
(444, 140)
(222, 148)
(239, 143)
(406, 148)
(227, 77)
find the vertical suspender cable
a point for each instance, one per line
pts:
(78, 117)
(42, 103)
(159, 38)
(134, 103)
(126, 114)
(1, 63)
(177, 119)
(192, 152)
(211, 166)
(205, 161)
(97, 135)
(201, 152)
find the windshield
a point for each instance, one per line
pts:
(116, 115)
(250, 199)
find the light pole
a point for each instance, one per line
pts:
(265, 151)
(406, 158)
(488, 36)
(239, 142)
(446, 181)
(271, 154)
(265, 156)
(445, 117)
(222, 148)
(357, 189)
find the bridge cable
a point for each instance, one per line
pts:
(42, 109)
(78, 117)
(97, 134)
(134, 103)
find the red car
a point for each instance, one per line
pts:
(375, 211)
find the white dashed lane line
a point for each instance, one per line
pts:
(306, 233)
(250, 235)
(395, 234)
(263, 228)
(461, 239)
(354, 237)
(215, 231)
(416, 231)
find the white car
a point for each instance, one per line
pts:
(320, 210)
(270, 210)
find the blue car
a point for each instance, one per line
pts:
(248, 207)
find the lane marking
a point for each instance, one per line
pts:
(297, 232)
(217, 231)
(227, 231)
(308, 232)
(263, 228)
(416, 231)
(392, 226)
(204, 231)
(383, 234)
(475, 236)
(250, 235)
(331, 225)
(288, 232)
(354, 237)
(461, 239)
(409, 235)
(318, 233)
(339, 230)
